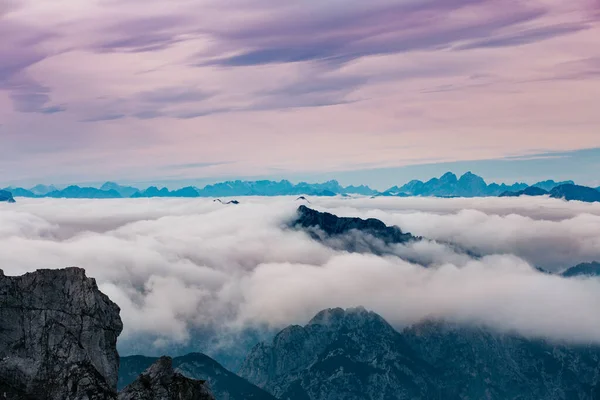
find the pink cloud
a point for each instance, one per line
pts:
(115, 89)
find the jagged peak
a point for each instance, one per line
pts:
(338, 316)
(163, 367)
(471, 176)
(449, 176)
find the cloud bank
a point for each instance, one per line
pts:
(180, 268)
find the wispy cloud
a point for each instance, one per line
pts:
(359, 78)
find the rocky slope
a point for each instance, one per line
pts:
(223, 383)
(350, 234)
(58, 336)
(355, 354)
(161, 382)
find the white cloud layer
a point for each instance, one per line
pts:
(179, 266)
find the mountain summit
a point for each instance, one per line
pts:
(355, 354)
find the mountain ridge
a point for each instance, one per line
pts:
(448, 185)
(355, 353)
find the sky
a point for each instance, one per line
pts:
(204, 90)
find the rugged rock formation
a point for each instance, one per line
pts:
(6, 196)
(58, 336)
(350, 234)
(161, 382)
(355, 354)
(223, 383)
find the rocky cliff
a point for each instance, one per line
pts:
(161, 382)
(58, 336)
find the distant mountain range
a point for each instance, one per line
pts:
(448, 185)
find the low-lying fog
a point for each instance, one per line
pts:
(180, 266)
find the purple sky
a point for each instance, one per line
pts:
(135, 90)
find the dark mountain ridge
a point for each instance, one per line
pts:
(356, 354)
(349, 233)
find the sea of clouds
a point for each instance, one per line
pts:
(178, 267)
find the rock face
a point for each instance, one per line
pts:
(161, 382)
(6, 196)
(350, 234)
(223, 383)
(355, 354)
(58, 336)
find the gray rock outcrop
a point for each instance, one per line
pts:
(58, 336)
(161, 382)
